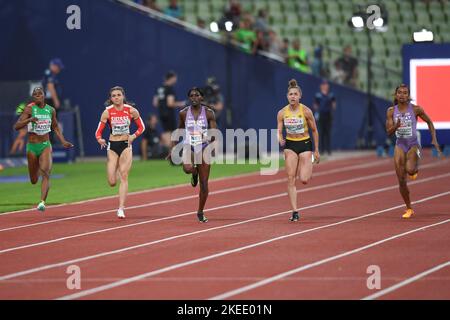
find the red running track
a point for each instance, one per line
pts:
(248, 250)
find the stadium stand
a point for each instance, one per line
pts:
(325, 23)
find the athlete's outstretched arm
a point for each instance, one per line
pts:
(55, 128)
(421, 113)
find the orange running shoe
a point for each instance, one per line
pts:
(413, 177)
(408, 213)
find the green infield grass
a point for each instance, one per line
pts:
(87, 180)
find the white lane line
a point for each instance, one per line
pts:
(232, 205)
(229, 206)
(60, 264)
(254, 185)
(228, 252)
(318, 263)
(369, 164)
(201, 279)
(407, 281)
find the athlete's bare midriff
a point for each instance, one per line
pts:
(121, 137)
(35, 138)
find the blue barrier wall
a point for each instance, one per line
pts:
(119, 46)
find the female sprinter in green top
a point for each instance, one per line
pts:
(40, 119)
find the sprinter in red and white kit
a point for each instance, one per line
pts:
(118, 116)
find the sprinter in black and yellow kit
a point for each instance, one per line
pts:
(297, 119)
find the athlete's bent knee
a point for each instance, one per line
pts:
(304, 180)
(291, 180)
(188, 168)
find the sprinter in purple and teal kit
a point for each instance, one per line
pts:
(402, 120)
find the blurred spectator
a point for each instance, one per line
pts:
(261, 23)
(19, 141)
(201, 23)
(317, 64)
(233, 12)
(174, 10)
(151, 4)
(349, 65)
(52, 85)
(324, 107)
(260, 43)
(275, 46)
(285, 49)
(298, 58)
(337, 74)
(165, 101)
(245, 36)
(151, 146)
(213, 97)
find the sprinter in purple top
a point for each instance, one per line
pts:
(196, 119)
(401, 119)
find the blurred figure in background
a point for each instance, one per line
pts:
(19, 141)
(285, 50)
(201, 23)
(245, 35)
(349, 66)
(213, 97)
(275, 46)
(232, 12)
(52, 85)
(261, 23)
(174, 10)
(260, 43)
(151, 4)
(337, 74)
(165, 101)
(298, 58)
(151, 140)
(324, 107)
(317, 64)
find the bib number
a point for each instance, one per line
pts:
(405, 129)
(294, 125)
(196, 138)
(121, 129)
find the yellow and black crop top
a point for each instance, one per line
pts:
(295, 122)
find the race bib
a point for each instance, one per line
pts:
(294, 125)
(405, 129)
(120, 129)
(196, 138)
(41, 127)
